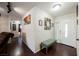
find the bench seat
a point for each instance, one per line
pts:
(47, 43)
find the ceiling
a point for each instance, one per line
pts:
(3, 8)
(66, 7)
(21, 8)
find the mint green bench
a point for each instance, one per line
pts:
(47, 43)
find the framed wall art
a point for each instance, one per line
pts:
(40, 22)
(47, 24)
(27, 19)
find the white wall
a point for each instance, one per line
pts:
(35, 34)
(29, 31)
(70, 19)
(4, 24)
(40, 33)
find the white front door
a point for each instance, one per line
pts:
(66, 32)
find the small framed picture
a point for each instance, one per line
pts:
(40, 22)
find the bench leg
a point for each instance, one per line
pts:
(46, 50)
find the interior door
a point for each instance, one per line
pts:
(66, 32)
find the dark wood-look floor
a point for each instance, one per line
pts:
(18, 48)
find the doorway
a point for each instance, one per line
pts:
(15, 27)
(65, 30)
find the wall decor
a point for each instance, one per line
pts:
(40, 22)
(27, 19)
(47, 24)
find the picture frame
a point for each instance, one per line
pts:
(47, 24)
(27, 19)
(40, 22)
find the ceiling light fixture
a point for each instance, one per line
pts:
(9, 7)
(56, 6)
